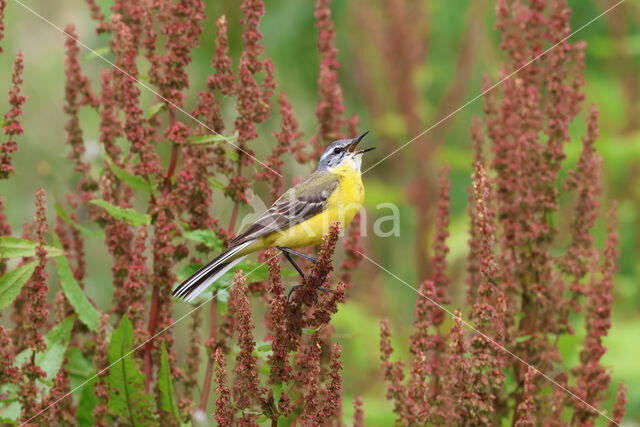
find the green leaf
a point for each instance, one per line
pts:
(57, 340)
(50, 360)
(263, 348)
(12, 282)
(78, 366)
(523, 338)
(127, 215)
(277, 393)
(232, 155)
(216, 184)
(153, 110)
(205, 139)
(3, 123)
(10, 414)
(87, 403)
(207, 237)
(127, 399)
(16, 247)
(97, 53)
(286, 272)
(167, 396)
(134, 181)
(310, 331)
(87, 313)
(187, 271)
(82, 229)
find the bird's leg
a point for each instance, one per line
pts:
(300, 254)
(289, 258)
(287, 254)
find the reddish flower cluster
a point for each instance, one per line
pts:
(224, 414)
(358, 413)
(593, 378)
(526, 409)
(78, 93)
(12, 126)
(517, 288)
(287, 138)
(440, 249)
(35, 312)
(101, 362)
(3, 4)
(330, 106)
(37, 307)
(5, 230)
(245, 385)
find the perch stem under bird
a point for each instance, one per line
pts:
(299, 218)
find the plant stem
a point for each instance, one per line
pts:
(174, 158)
(211, 344)
(153, 315)
(236, 205)
(153, 321)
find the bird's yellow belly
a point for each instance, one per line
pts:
(342, 206)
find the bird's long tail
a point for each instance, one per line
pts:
(203, 278)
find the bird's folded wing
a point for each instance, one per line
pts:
(304, 201)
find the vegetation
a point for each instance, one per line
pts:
(524, 299)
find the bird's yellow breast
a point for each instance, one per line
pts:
(342, 206)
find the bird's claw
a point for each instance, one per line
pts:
(315, 294)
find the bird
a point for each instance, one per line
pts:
(299, 218)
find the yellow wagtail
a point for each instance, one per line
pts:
(299, 218)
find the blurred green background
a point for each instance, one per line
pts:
(612, 74)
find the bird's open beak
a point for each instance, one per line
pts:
(354, 144)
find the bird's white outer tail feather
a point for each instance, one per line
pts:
(197, 291)
(183, 289)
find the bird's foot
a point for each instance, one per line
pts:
(315, 294)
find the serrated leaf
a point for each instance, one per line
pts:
(97, 53)
(254, 271)
(153, 110)
(206, 237)
(87, 403)
(167, 395)
(277, 393)
(50, 360)
(16, 247)
(10, 414)
(78, 366)
(82, 229)
(57, 340)
(523, 338)
(216, 184)
(206, 139)
(134, 181)
(232, 155)
(310, 331)
(87, 313)
(263, 348)
(285, 272)
(127, 399)
(127, 215)
(12, 282)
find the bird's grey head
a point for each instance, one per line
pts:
(341, 152)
